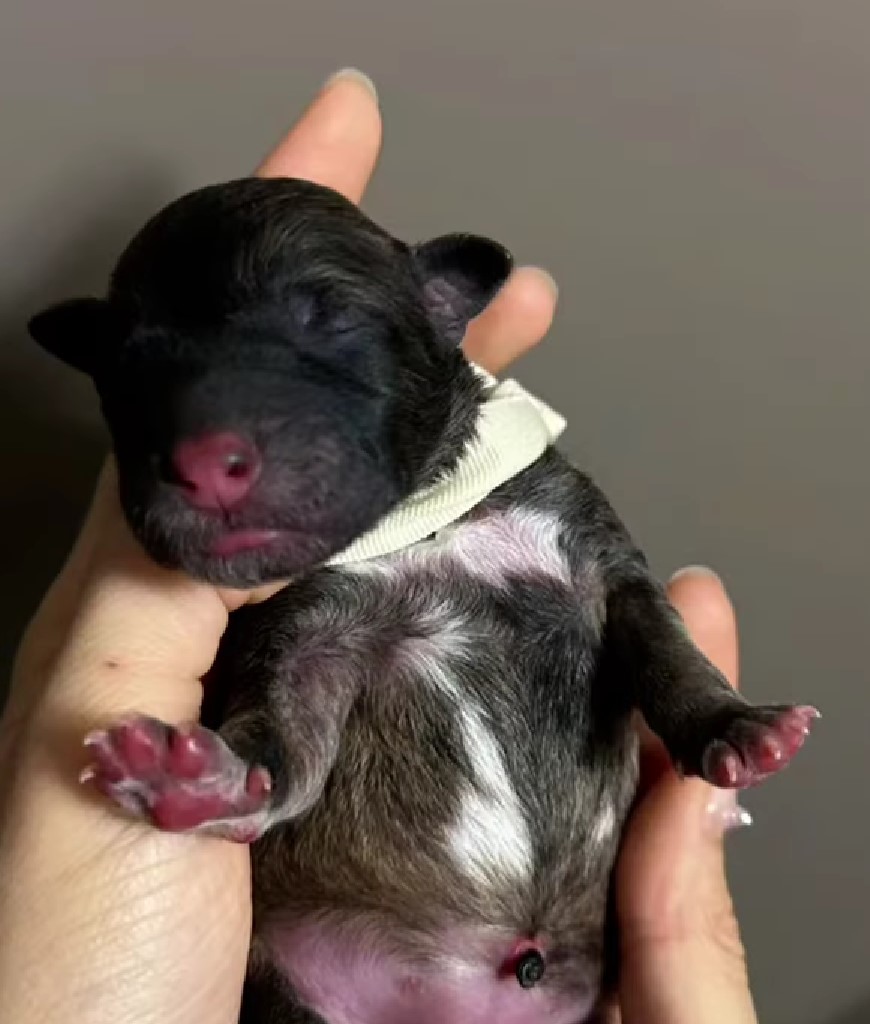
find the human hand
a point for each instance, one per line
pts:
(681, 957)
(106, 920)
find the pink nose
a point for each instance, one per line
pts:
(216, 471)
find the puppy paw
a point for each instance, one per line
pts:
(754, 743)
(182, 779)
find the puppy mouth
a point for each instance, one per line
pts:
(249, 545)
(237, 542)
(248, 556)
(243, 540)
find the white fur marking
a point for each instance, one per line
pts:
(490, 837)
(429, 655)
(520, 542)
(602, 830)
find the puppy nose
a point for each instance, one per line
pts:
(216, 471)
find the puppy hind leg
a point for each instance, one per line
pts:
(708, 728)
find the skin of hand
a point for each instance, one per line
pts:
(108, 921)
(681, 956)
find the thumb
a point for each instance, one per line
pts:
(115, 631)
(682, 959)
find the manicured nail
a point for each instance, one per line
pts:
(355, 75)
(724, 814)
(547, 278)
(86, 774)
(694, 570)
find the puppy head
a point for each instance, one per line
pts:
(276, 373)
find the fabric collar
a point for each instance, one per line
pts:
(514, 429)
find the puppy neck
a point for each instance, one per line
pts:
(512, 430)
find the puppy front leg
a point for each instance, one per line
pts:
(267, 763)
(708, 728)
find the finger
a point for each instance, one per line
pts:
(609, 1012)
(46, 632)
(668, 817)
(699, 596)
(336, 141)
(116, 633)
(681, 955)
(681, 950)
(515, 321)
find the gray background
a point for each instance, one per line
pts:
(694, 172)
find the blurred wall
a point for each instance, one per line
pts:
(694, 172)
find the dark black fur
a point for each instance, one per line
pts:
(279, 310)
(275, 309)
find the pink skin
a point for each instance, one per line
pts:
(216, 471)
(237, 541)
(521, 946)
(181, 779)
(344, 972)
(754, 751)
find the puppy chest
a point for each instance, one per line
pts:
(470, 739)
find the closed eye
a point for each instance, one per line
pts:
(347, 372)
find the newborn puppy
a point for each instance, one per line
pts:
(430, 747)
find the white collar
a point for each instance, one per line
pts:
(513, 430)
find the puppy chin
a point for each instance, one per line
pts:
(240, 559)
(255, 546)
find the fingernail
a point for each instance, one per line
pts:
(547, 278)
(354, 75)
(694, 570)
(86, 774)
(724, 814)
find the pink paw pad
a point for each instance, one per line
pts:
(182, 778)
(752, 750)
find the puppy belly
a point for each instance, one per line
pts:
(355, 976)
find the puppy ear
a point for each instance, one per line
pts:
(461, 273)
(76, 331)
